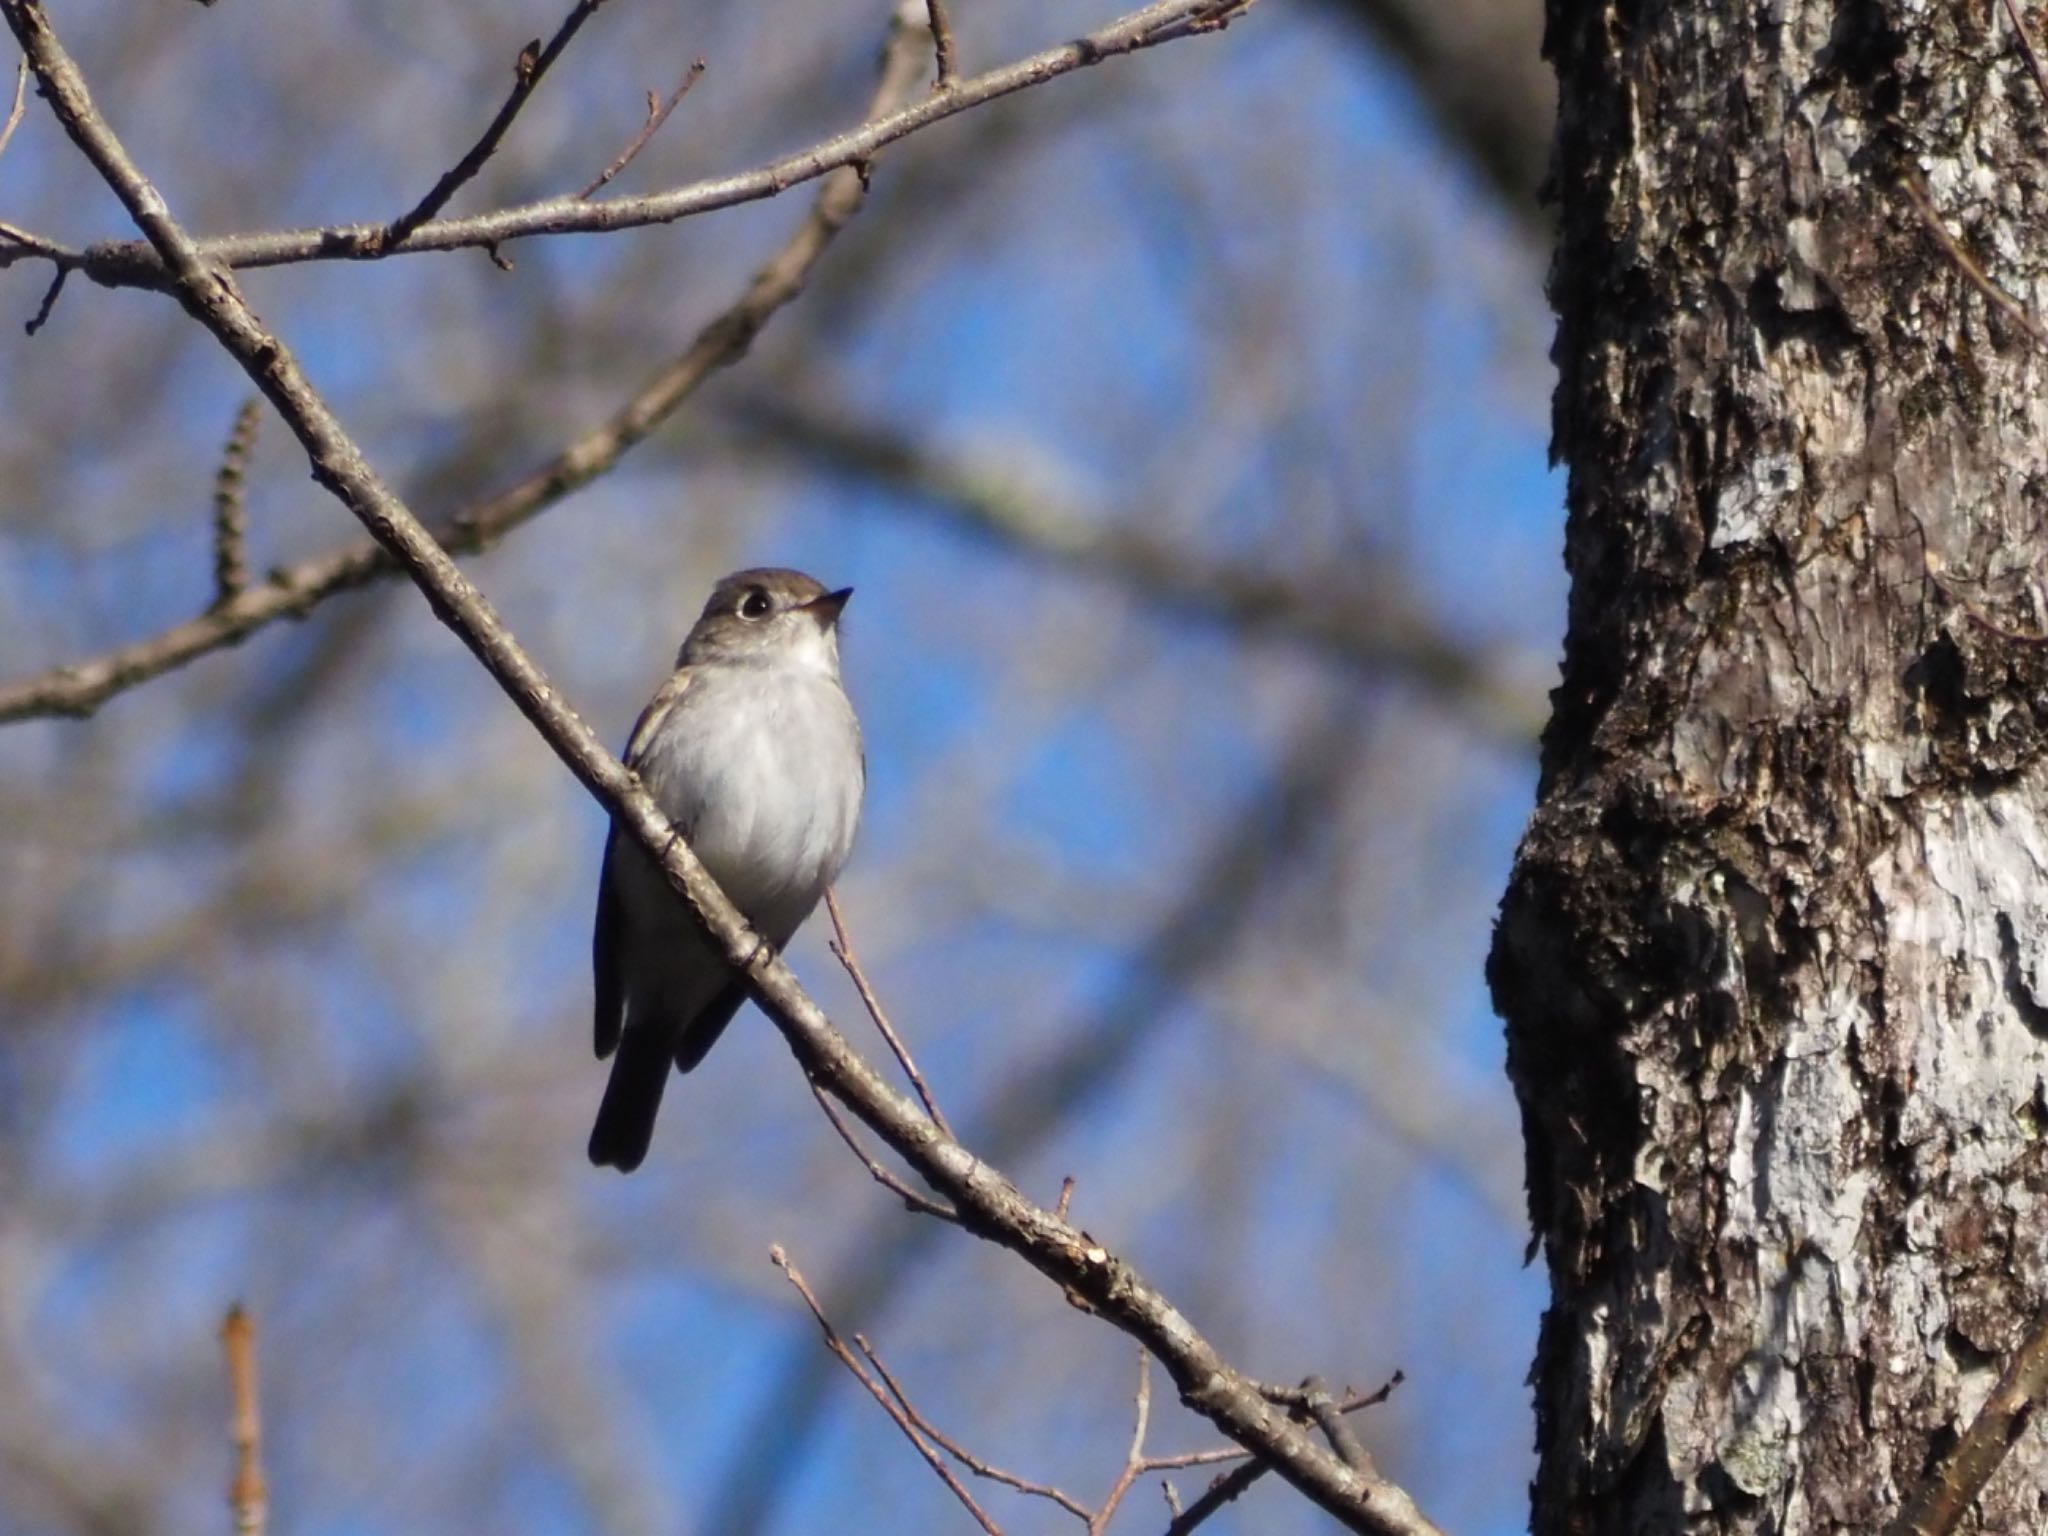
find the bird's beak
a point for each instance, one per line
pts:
(826, 609)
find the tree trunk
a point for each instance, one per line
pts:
(1772, 957)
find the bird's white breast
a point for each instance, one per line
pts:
(760, 766)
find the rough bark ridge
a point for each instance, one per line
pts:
(1772, 957)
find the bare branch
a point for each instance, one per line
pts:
(1226, 1489)
(657, 114)
(1134, 1458)
(18, 244)
(533, 63)
(942, 44)
(1938, 576)
(1915, 188)
(2026, 42)
(1330, 1420)
(248, 1498)
(136, 265)
(42, 314)
(842, 948)
(1330, 1408)
(989, 1203)
(20, 105)
(897, 1416)
(916, 1201)
(1952, 1488)
(1307, 1401)
(1233, 1484)
(230, 519)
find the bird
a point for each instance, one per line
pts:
(752, 750)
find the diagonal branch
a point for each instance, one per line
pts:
(230, 514)
(132, 264)
(20, 103)
(842, 948)
(1952, 1486)
(989, 1202)
(921, 1204)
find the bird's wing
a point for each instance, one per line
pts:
(607, 935)
(606, 943)
(652, 718)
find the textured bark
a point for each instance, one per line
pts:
(1771, 959)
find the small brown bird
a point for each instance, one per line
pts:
(752, 750)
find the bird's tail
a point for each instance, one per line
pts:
(702, 1032)
(625, 1120)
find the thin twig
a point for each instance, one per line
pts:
(1916, 193)
(1137, 1462)
(248, 1498)
(1233, 1483)
(901, 1420)
(959, 1452)
(533, 63)
(1336, 1429)
(1220, 15)
(1066, 1197)
(842, 948)
(657, 114)
(915, 1199)
(21, 103)
(1134, 1458)
(1952, 1488)
(42, 314)
(1284, 1397)
(230, 518)
(32, 244)
(1180, 1461)
(990, 1204)
(942, 44)
(1935, 570)
(2026, 40)
(1299, 1397)
(1226, 1489)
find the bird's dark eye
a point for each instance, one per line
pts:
(755, 604)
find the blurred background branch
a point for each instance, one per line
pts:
(1360, 617)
